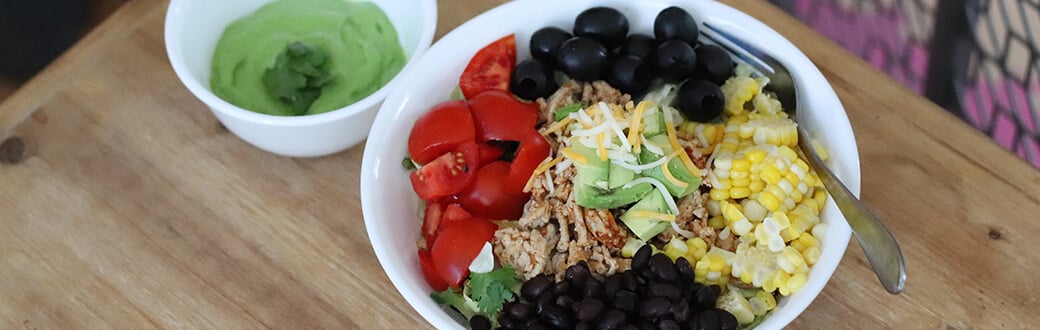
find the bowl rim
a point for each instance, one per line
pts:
(802, 68)
(176, 19)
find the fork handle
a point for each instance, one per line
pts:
(877, 242)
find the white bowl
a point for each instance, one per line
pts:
(192, 30)
(391, 209)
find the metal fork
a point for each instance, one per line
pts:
(880, 247)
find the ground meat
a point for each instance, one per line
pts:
(602, 225)
(693, 216)
(527, 250)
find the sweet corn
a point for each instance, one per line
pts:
(791, 261)
(675, 248)
(696, 248)
(811, 255)
(631, 246)
(762, 302)
(739, 192)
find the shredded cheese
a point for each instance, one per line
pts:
(668, 173)
(640, 168)
(652, 147)
(558, 126)
(574, 156)
(609, 118)
(549, 182)
(600, 148)
(653, 215)
(670, 129)
(634, 134)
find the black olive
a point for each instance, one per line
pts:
(675, 23)
(714, 63)
(630, 74)
(675, 60)
(638, 45)
(532, 79)
(582, 59)
(700, 100)
(604, 24)
(545, 43)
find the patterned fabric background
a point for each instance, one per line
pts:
(976, 58)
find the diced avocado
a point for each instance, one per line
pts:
(653, 124)
(592, 186)
(594, 197)
(619, 176)
(646, 228)
(675, 167)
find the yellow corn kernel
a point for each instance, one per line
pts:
(739, 192)
(777, 191)
(790, 234)
(723, 184)
(768, 200)
(795, 283)
(811, 255)
(741, 227)
(738, 174)
(787, 152)
(715, 262)
(675, 249)
(762, 303)
(741, 182)
(717, 222)
(720, 194)
(790, 260)
(741, 165)
(812, 180)
(755, 156)
(808, 240)
(801, 164)
(769, 284)
(795, 196)
(700, 270)
(770, 174)
(697, 247)
(792, 178)
(753, 210)
(757, 185)
(731, 212)
(780, 281)
(821, 198)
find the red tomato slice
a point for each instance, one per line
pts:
(531, 153)
(430, 272)
(489, 153)
(488, 197)
(448, 174)
(490, 68)
(432, 217)
(454, 213)
(446, 126)
(500, 116)
(458, 244)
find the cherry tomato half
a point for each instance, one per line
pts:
(490, 68)
(531, 153)
(446, 126)
(500, 116)
(430, 272)
(488, 196)
(448, 174)
(432, 215)
(489, 153)
(457, 245)
(454, 213)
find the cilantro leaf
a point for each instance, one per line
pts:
(493, 289)
(297, 76)
(455, 298)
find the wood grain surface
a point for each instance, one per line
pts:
(131, 207)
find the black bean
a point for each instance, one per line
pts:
(646, 274)
(588, 309)
(563, 288)
(507, 322)
(705, 298)
(663, 290)
(630, 281)
(646, 325)
(726, 320)
(556, 317)
(685, 270)
(707, 320)
(577, 274)
(626, 301)
(611, 285)
(531, 322)
(642, 257)
(535, 287)
(517, 310)
(668, 325)
(567, 302)
(715, 289)
(654, 308)
(582, 326)
(663, 267)
(479, 322)
(545, 300)
(681, 310)
(629, 326)
(592, 289)
(612, 319)
(535, 326)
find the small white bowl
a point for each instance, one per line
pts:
(391, 208)
(192, 30)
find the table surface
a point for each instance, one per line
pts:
(131, 207)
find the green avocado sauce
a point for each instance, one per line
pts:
(301, 57)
